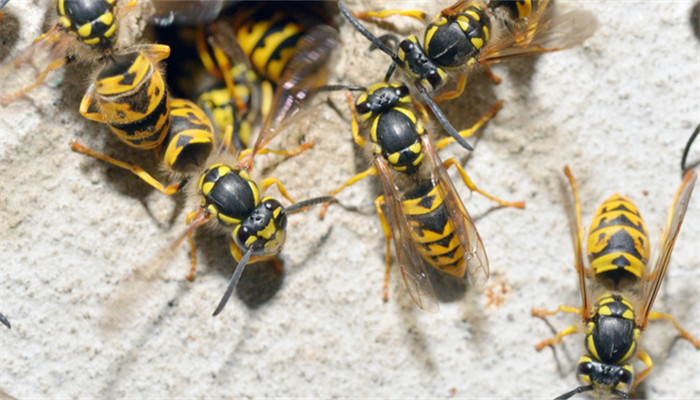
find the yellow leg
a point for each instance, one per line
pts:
(495, 78)
(422, 111)
(267, 182)
(350, 182)
(467, 181)
(417, 14)
(470, 131)
(290, 153)
(538, 312)
(193, 254)
(138, 171)
(453, 94)
(359, 140)
(684, 334)
(558, 338)
(55, 64)
(378, 203)
(643, 357)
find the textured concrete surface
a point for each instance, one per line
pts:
(618, 110)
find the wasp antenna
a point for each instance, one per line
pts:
(335, 88)
(441, 117)
(375, 40)
(234, 280)
(296, 207)
(684, 167)
(5, 321)
(578, 390)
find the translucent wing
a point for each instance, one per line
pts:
(474, 252)
(456, 8)
(305, 72)
(411, 262)
(546, 31)
(668, 240)
(577, 234)
(45, 54)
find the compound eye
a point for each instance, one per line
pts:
(402, 91)
(584, 369)
(434, 78)
(625, 376)
(362, 108)
(406, 46)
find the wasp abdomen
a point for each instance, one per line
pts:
(452, 41)
(618, 243)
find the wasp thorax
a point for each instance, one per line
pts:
(93, 21)
(264, 230)
(383, 98)
(228, 194)
(420, 66)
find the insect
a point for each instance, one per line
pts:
(86, 30)
(461, 37)
(258, 225)
(286, 47)
(129, 95)
(429, 223)
(618, 254)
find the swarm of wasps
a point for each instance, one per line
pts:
(240, 67)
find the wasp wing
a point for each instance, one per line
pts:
(577, 234)
(668, 240)
(474, 252)
(456, 8)
(305, 72)
(546, 31)
(413, 270)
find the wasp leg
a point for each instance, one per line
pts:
(267, 182)
(470, 131)
(558, 338)
(350, 182)
(453, 94)
(290, 153)
(684, 334)
(416, 14)
(378, 203)
(467, 181)
(538, 312)
(193, 254)
(55, 64)
(138, 171)
(495, 78)
(643, 357)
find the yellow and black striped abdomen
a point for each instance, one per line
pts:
(131, 98)
(618, 243)
(190, 137)
(269, 38)
(432, 230)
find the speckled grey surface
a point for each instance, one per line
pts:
(617, 110)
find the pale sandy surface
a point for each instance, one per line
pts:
(617, 110)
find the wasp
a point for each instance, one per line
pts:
(130, 96)
(86, 30)
(617, 278)
(428, 221)
(461, 36)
